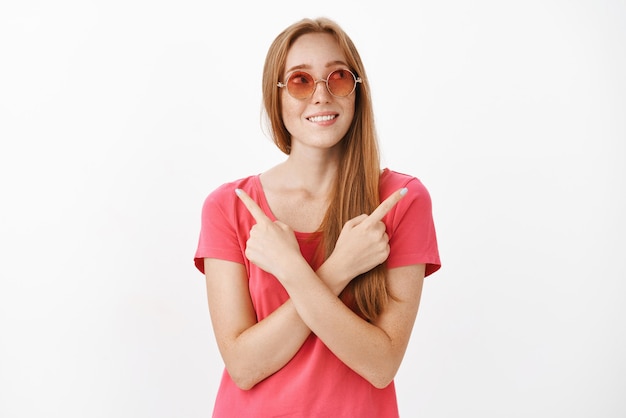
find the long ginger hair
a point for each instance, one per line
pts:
(356, 188)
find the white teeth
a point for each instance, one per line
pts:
(322, 118)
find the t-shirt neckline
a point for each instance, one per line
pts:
(264, 204)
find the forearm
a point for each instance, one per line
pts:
(362, 346)
(265, 347)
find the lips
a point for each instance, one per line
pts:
(322, 118)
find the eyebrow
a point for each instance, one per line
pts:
(307, 67)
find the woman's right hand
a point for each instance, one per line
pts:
(363, 242)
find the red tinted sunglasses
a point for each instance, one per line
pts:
(301, 85)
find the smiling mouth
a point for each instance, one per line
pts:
(324, 118)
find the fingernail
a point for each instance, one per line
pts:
(238, 192)
(403, 191)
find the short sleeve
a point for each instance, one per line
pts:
(219, 236)
(411, 229)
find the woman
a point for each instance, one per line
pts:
(312, 300)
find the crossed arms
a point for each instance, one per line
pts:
(253, 350)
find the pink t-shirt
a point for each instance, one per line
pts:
(314, 383)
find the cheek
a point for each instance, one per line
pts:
(350, 109)
(291, 113)
(287, 118)
(349, 112)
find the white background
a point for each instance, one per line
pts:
(117, 118)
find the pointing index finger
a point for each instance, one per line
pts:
(254, 209)
(387, 204)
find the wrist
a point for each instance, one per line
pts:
(292, 269)
(334, 275)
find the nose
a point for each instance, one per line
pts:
(321, 94)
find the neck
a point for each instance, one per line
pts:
(307, 171)
(312, 174)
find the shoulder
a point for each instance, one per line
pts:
(415, 207)
(391, 180)
(226, 191)
(224, 199)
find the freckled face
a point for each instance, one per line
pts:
(321, 120)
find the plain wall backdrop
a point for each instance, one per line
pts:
(117, 118)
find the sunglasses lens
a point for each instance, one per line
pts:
(300, 85)
(341, 83)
